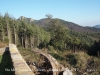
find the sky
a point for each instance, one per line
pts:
(82, 12)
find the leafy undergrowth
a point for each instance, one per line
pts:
(80, 63)
(0, 58)
(30, 56)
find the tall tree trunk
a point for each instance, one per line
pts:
(38, 41)
(73, 47)
(65, 45)
(15, 39)
(31, 42)
(22, 40)
(15, 35)
(8, 33)
(2, 33)
(26, 42)
(98, 53)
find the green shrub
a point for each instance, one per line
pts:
(50, 48)
(6, 40)
(0, 58)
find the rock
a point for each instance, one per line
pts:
(67, 72)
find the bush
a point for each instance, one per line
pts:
(72, 59)
(50, 48)
(6, 40)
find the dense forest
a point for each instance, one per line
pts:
(71, 47)
(27, 34)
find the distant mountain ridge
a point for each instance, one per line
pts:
(97, 26)
(70, 25)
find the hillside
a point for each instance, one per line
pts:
(70, 25)
(97, 26)
(67, 42)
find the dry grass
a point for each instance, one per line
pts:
(78, 60)
(2, 44)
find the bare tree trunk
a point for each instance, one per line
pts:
(32, 42)
(26, 42)
(38, 40)
(8, 33)
(14, 36)
(98, 54)
(3, 35)
(22, 40)
(15, 39)
(65, 45)
(73, 47)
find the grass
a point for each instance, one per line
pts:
(73, 61)
(77, 61)
(0, 58)
(2, 44)
(28, 54)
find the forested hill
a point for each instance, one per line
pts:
(97, 26)
(63, 39)
(58, 34)
(70, 25)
